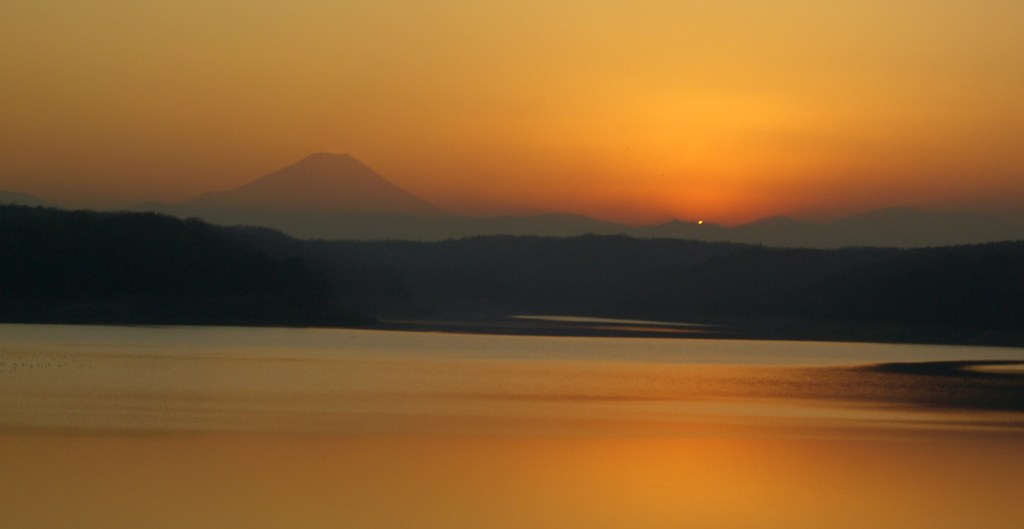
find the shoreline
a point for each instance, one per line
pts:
(589, 327)
(775, 330)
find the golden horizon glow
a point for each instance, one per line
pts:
(629, 111)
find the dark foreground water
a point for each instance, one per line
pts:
(110, 427)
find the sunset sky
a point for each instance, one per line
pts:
(727, 110)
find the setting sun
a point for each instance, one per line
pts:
(610, 109)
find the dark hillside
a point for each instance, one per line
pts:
(757, 282)
(59, 266)
(79, 266)
(956, 294)
(979, 286)
(502, 274)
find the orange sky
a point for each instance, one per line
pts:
(727, 110)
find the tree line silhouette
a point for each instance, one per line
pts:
(146, 268)
(89, 267)
(958, 293)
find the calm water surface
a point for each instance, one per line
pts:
(112, 427)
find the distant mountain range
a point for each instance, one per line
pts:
(335, 196)
(891, 227)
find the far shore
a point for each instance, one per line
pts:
(588, 326)
(735, 329)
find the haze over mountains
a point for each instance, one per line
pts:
(335, 196)
(21, 199)
(319, 183)
(892, 227)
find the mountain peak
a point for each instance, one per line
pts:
(321, 182)
(328, 157)
(326, 154)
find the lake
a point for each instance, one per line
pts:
(213, 427)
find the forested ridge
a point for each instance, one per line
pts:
(145, 268)
(979, 286)
(89, 267)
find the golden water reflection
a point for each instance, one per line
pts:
(93, 436)
(257, 481)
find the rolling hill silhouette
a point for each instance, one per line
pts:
(59, 266)
(62, 266)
